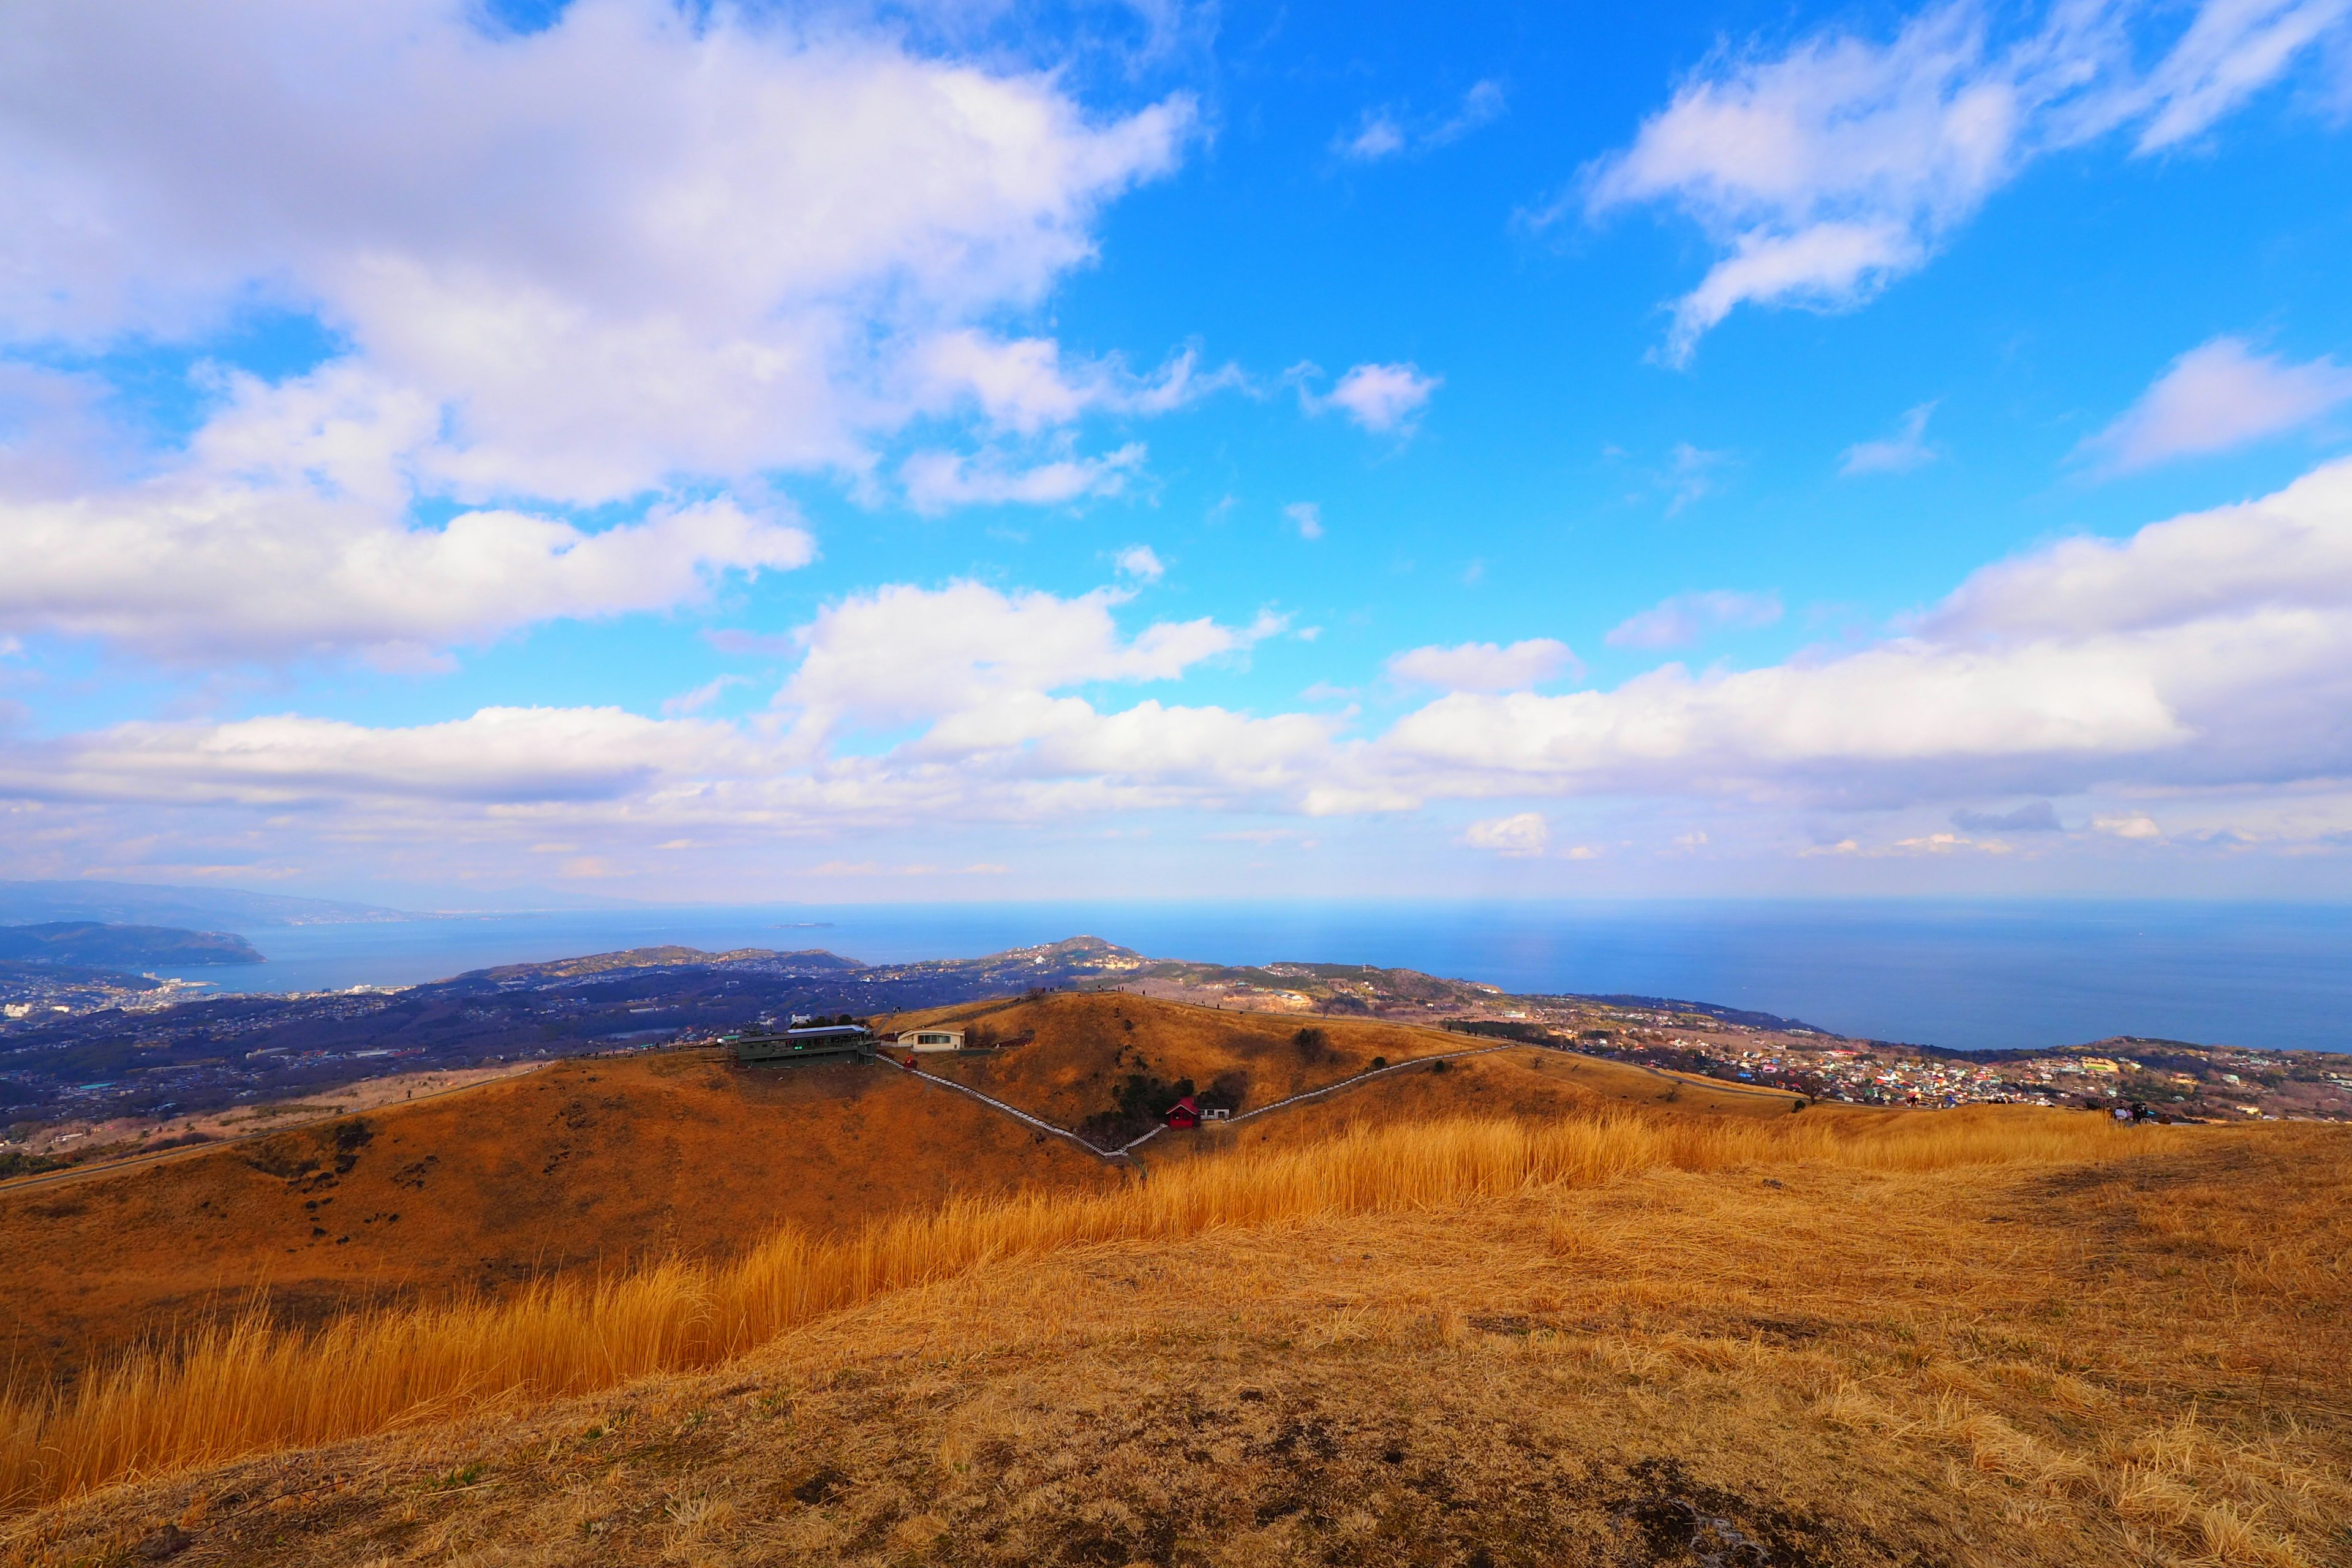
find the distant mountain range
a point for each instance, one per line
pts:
(200, 909)
(91, 944)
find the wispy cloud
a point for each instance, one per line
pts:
(1822, 172)
(1690, 475)
(937, 481)
(1485, 666)
(1687, 619)
(2218, 395)
(702, 696)
(1382, 134)
(1906, 449)
(1306, 516)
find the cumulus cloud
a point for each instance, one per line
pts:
(1484, 665)
(1383, 398)
(2218, 395)
(1306, 516)
(2210, 649)
(645, 251)
(638, 211)
(269, 544)
(983, 663)
(1906, 449)
(1687, 618)
(1824, 170)
(1138, 562)
(1524, 834)
(2206, 658)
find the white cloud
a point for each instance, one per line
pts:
(1690, 475)
(937, 481)
(1906, 449)
(635, 242)
(1525, 834)
(1306, 516)
(1381, 133)
(2287, 556)
(1823, 171)
(2217, 396)
(1480, 107)
(645, 251)
(2208, 650)
(1024, 386)
(1378, 137)
(1687, 618)
(497, 757)
(985, 660)
(1382, 398)
(2207, 659)
(2232, 50)
(1138, 562)
(1484, 665)
(284, 534)
(702, 696)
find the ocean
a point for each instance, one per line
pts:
(1977, 975)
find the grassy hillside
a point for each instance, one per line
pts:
(1082, 1050)
(579, 1164)
(1983, 1338)
(1526, 1308)
(599, 1163)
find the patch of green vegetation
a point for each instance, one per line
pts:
(16, 1163)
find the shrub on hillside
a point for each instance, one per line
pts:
(1137, 1106)
(1226, 1092)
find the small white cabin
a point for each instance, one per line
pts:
(934, 1039)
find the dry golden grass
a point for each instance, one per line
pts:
(581, 1167)
(243, 1387)
(2072, 1349)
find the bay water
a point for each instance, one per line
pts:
(1974, 974)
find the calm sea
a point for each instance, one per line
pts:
(1970, 975)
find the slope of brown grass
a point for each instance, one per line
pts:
(2117, 1354)
(239, 1389)
(1526, 1083)
(1084, 1043)
(583, 1163)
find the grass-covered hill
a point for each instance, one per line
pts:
(1988, 1338)
(1106, 1063)
(1528, 1309)
(583, 1164)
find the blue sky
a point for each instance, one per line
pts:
(482, 454)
